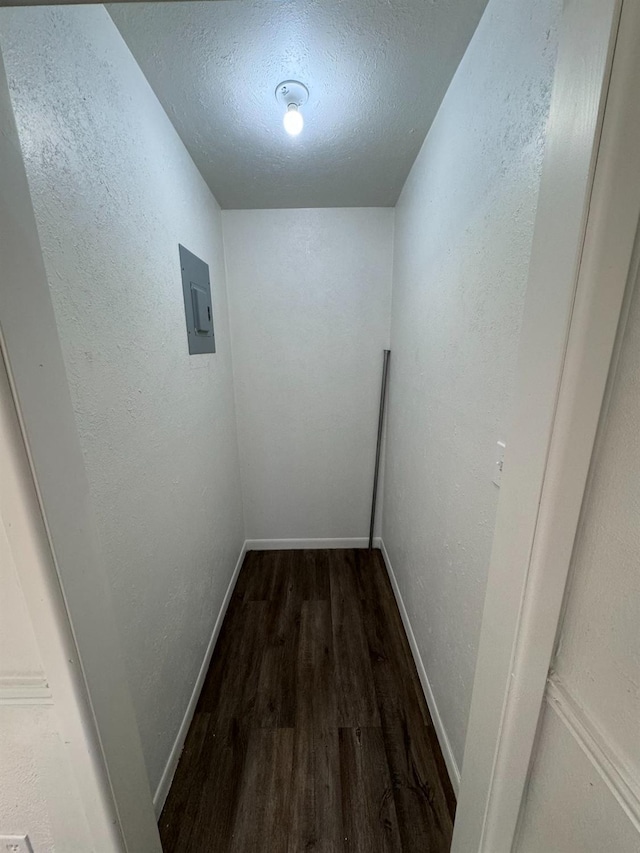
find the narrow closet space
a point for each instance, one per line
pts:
(222, 215)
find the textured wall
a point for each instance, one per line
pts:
(114, 191)
(38, 792)
(596, 671)
(464, 225)
(309, 293)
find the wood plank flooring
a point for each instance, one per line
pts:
(311, 732)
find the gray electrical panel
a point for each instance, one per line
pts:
(198, 310)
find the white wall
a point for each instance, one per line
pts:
(464, 226)
(52, 780)
(38, 794)
(584, 793)
(310, 293)
(42, 800)
(114, 192)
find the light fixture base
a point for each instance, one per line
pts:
(291, 92)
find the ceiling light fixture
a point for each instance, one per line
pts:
(292, 95)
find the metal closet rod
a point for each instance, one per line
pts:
(383, 390)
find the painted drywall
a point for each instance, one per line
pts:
(69, 605)
(309, 292)
(570, 808)
(38, 794)
(34, 771)
(114, 192)
(596, 668)
(463, 232)
(39, 789)
(215, 68)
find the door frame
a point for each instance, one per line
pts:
(582, 259)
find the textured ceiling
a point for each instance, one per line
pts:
(376, 70)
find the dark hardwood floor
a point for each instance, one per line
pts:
(311, 732)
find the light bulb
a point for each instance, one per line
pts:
(293, 121)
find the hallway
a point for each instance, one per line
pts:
(311, 732)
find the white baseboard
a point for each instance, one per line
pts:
(445, 745)
(174, 756)
(307, 544)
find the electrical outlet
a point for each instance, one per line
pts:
(15, 844)
(498, 464)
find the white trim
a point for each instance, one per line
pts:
(25, 690)
(582, 249)
(445, 744)
(168, 773)
(308, 544)
(593, 743)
